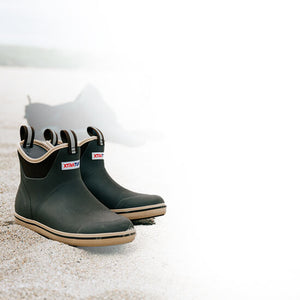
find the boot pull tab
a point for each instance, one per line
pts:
(69, 136)
(27, 134)
(51, 135)
(93, 131)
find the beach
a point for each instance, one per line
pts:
(33, 267)
(226, 166)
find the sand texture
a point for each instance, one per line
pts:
(33, 267)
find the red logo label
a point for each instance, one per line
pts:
(69, 165)
(97, 155)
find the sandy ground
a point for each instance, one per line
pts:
(227, 167)
(33, 267)
(221, 84)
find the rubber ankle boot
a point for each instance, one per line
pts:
(120, 200)
(53, 200)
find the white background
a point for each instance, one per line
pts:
(220, 81)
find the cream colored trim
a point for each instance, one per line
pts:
(38, 160)
(49, 144)
(114, 240)
(138, 208)
(40, 143)
(87, 140)
(145, 214)
(75, 235)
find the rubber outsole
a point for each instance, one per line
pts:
(77, 239)
(142, 212)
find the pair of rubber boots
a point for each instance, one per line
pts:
(66, 194)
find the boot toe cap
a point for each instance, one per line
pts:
(140, 200)
(116, 223)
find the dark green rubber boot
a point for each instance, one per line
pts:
(120, 200)
(53, 200)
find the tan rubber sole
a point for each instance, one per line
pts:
(143, 212)
(76, 239)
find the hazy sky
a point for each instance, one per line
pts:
(58, 24)
(133, 32)
(225, 88)
(109, 26)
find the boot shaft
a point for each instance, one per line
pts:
(44, 168)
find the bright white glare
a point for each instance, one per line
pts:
(224, 81)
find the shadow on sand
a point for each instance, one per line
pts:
(118, 249)
(122, 249)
